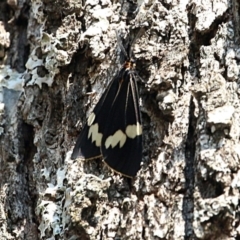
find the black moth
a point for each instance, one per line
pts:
(113, 130)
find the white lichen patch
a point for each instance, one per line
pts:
(4, 40)
(206, 209)
(10, 91)
(11, 79)
(157, 215)
(222, 115)
(50, 217)
(37, 11)
(51, 211)
(206, 12)
(48, 46)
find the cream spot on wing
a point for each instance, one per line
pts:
(113, 140)
(96, 136)
(91, 119)
(134, 130)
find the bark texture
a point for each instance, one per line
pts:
(57, 57)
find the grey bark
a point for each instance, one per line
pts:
(57, 57)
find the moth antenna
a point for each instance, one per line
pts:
(120, 44)
(140, 32)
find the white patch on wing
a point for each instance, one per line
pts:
(96, 136)
(113, 140)
(91, 119)
(134, 130)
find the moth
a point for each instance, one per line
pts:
(113, 130)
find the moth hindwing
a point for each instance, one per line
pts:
(113, 130)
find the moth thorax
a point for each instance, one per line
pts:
(130, 64)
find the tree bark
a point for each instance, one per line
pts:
(57, 58)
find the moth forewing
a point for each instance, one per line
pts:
(90, 138)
